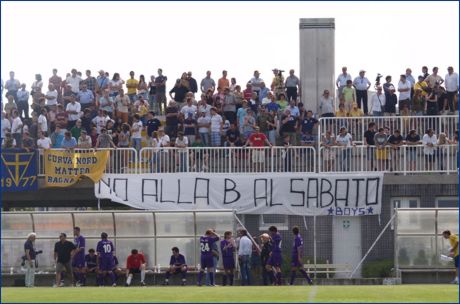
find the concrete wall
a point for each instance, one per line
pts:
(317, 59)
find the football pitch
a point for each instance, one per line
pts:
(219, 294)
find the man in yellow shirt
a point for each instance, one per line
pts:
(132, 84)
(453, 239)
(422, 85)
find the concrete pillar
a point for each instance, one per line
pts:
(317, 59)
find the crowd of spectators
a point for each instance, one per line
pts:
(104, 112)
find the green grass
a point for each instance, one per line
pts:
(284, 294)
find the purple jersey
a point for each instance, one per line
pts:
(276, 249)
(227, 249)
(206, 244)
(105, 249)
(80, 245)
(177, 261)
(297, 244)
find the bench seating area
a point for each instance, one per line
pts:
(327, 268)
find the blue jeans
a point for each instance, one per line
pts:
(137, 143)
(377, 113)
(205, 139)
(245, 270)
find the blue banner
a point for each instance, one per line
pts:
(19, 170)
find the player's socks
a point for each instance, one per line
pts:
(113, 278)
(271, 274)
(306, 276)
(278, 278)
(142, 275)
(128, 280)
(293, 273)
(167, 275)
(182, 273)
(83, 279)
(100, 279)
(211, 278)
(200, 275)
(230, 277)
(224, 280)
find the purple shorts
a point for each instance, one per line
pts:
(295, 262)
(78, 262)
(274, 261)
(207, 261)
(106, 264)
(229, 262)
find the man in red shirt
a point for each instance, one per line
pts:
(135, 264)
(257, 140)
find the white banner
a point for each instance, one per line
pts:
(263, 193)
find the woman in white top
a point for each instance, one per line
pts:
(37, 84)
(345, 140)
(115, 85)
(122, 106)
(142, 88)
(443, 148)
(429, 142)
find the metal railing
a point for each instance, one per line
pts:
(356, 126)
(227, 160)
(404, 159)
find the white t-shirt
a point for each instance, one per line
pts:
(44, 143)
(42, 123)
(100, 123)
(74, 83)
(52, 102)
(16, 126)
(344, 141)
(216, 121)
(404, 95)
(73, 107)
(429, 140)
(5, 125)
(164, 141)
(138, 126)
(186, 110)
(203, 120)
(184, 141)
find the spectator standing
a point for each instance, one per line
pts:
(12, 86)
(207, 83)
(326, 105)
(216, 128)
(434, 78)
(429, 142)
(229, 105)
(172, 120)
(328, 142)
(244, 257)
(451, 88)
(160, 82)
(57, 82)
(5, 125)
(190, 128)
(418, 102)
(204, 122)
(122, 104)
(102, 82)
(223, 81)
(348, 95)
(23, 102)
(142, 88)
(152, 95)
(381, 140)
(106, 102)
(16, 129)
(362, 85)
(74, 81)
(404, 89)
(369, 142)
(73, 110)
(193, 85)
(104, 140)
(345, 141)
(412, 139)
(289, 126)
(255, 82)
(378, 102)
(292, 85)
(85, 97)
(342, 80)
(132, 84)
(43, 142)
(63, 253)
(69, 142)
(90, 82)
(136, 132)
(390, 102)
(115, 85)
(395, 141)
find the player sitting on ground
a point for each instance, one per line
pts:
(176, 265)
(135, 263)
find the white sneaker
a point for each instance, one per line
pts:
(454, 282)
(61, 284)
(114, 285)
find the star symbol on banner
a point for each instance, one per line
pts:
(330, 210)
(370, 210)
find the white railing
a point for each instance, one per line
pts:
(405, 159)
(358, 125)
(228, 160)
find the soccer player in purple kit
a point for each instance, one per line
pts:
(176, 265)
(105, 252)
(296, 263)
(78, 263)
(274, 261)
(227, 247)
(207, 261)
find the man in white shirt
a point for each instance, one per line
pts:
(43, 142)
(74, 81)
(73, 109)
(244, 257)
(16, 129)
(404, 87)
(216, 127)
(378, 103)
(429, 141)
(451, 83)
(203, 123)
(51, 96)
(255, 82)
(136, 131)
(43, 122)
(361, 85)
(326, 105)
(341, 81)
(189, 108)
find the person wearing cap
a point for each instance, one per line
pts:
(342, 79)
(404, 89)
(362, 85)
(390, 102)
(63, 253)
(255, 82)
(29, 262)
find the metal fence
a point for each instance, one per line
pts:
(404, 159)
(356, 126)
